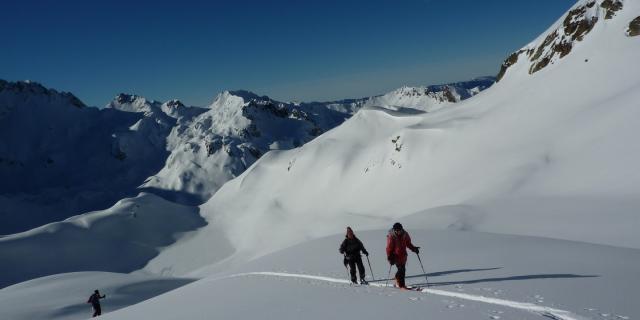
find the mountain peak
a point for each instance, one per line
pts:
(246, 95)
(174, 103)
(131, 103)
(30, 89)
(123, 98)
(564, 36)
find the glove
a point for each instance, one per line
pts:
(392, 259)
(417, 251)
(365, 252)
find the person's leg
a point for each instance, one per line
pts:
(99, 310)
(361, 269)
(400, 275)
(352, 270)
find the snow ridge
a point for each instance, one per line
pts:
(430, 98)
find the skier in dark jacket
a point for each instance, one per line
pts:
(398, 241)
(94, 299)
(350, 248)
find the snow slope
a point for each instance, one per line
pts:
(129, 139)
(471, 275)
(545, 154)
(239, 127)
(545, 157)
(64, 296)
(52, 145)
(119, 239)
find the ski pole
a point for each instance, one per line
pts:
(425, 273)
(369, 262)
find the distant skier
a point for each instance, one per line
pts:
(350, 248)
(398, 241)
(94, 299)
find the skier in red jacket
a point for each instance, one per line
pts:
(398, 241)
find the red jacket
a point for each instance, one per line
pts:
(397, 246)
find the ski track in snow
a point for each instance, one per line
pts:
(549, 312)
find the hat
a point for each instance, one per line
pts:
(349, 230)
(397, 226)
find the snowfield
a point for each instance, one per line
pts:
(524, 199)
(546, 154)
(471, 275)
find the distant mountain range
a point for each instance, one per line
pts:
(59, 157)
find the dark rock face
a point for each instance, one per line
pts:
(634, 27)
(511, 60)
(271, 107)
(448, 95)
(125, 98)
(213, 146)
(611, 7)
(576, 25)
(175, 104)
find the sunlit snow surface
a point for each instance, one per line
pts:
(545, 162)
(470, 274)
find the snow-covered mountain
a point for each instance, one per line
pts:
(59, 158)
(181, 153)
(430, 98)
(235, 131)
(567, 34)
(240, 126)
(54, 147)
(524, 199)
(544, 152)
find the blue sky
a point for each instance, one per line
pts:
(289, 50)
